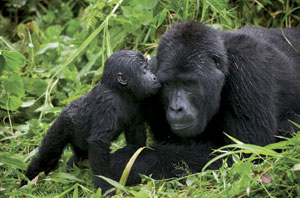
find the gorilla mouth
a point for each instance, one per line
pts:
(154, 88)
(181, 126)
(156, 85)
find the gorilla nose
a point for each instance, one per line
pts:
(154, 77)
(177, 116)
(176, 109)
(176, 112)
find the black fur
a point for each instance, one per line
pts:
(245, 83)
(92, 121)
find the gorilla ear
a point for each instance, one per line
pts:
(217, 60)
(121, 78)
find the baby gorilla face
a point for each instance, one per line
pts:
(129, 71)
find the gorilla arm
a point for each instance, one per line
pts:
(104, 130)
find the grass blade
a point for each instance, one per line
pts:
(10, 161)
(114, 183)
(129, 165)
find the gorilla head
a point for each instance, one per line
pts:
(191, 65)
(128, 71)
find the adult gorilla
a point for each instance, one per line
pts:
(245, 83)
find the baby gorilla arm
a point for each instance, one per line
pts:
(98, 155)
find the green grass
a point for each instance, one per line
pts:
(52, 53)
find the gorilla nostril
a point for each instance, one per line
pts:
(154, 78)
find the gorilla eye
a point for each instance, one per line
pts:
(189, 83)
(186, 83)
(145, 69)
(216, 59)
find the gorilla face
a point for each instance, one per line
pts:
(192, 73)
(129, 71)
(192, 99)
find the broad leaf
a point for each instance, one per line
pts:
(13, 85)
(13, 60)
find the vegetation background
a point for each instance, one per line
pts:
(52, 52)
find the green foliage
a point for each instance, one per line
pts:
(52, 52)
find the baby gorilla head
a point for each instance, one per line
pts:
(129, 71)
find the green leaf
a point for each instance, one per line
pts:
(249, 148)
(145, 4)
(13, 59)
(14, 103)
(98, 193)
(10, 103)
(294, 123)
(147, 17)
(244, 168)
(114, 183)
(143, 193)
(13, 85)
(233, 139)
(48, 46)
(73, 26)
(35, 86)
(67, 176)
(10, 161)
(35, 27)
(127, 11)
(70, 72)
(150, 4)
(161, 17)
(7, 43)
(75, 192)
(28, 103)
(44, 107)
(278, 145)
(54, 31)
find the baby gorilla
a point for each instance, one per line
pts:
(92, 121)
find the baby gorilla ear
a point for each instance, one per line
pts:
(121, 78)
